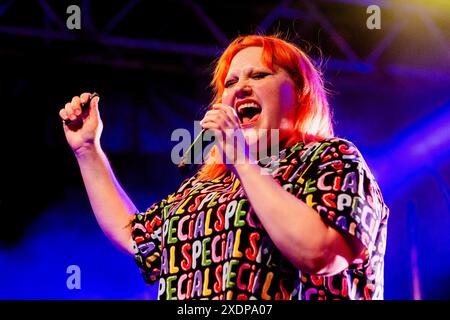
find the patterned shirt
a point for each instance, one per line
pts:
(204, 241)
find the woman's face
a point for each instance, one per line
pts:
(263, 99)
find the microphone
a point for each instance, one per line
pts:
(189, 161)
(84, 107)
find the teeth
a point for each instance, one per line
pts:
(248, 105)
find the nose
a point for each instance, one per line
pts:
(243, 89)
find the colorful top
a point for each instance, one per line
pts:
(204, 241)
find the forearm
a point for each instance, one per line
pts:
(295, 228)
(111, 205)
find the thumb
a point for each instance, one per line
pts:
(94, 107)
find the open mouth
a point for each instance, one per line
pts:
(249, 113)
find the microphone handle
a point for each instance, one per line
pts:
(187, 163)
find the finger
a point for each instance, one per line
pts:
(218, 123)
(84, 97)
(221, 106)
(214, 115)
(94, 102)
(210, 124)
(223, 112)
(76, 105)
(69, 110)
(213, 112)
(94, 107)
(229, 111)
(63, 114)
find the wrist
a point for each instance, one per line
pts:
(242, 169)
(88, 151)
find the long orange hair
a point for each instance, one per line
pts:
(313, 117)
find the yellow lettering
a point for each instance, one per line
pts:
(208, 230)
(206, 290)
(172, 268)
(180, 210)
(236, 252)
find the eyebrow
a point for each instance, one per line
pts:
(250, 69)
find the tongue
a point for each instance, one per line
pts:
(250, 119)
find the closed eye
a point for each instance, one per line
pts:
(229, 83)
(260, 75)
(256, 76)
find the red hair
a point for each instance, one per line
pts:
(313, 118)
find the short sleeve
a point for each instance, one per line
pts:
(341, 188)
(146, 228)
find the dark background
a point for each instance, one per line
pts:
(151, 65)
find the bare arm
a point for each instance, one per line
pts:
(295, 228)
(111, 205)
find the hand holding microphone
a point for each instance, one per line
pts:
(223, 120)
(81, 121)
(82, 104)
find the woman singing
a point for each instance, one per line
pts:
(306, 223)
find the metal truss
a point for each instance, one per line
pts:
(53, 28)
